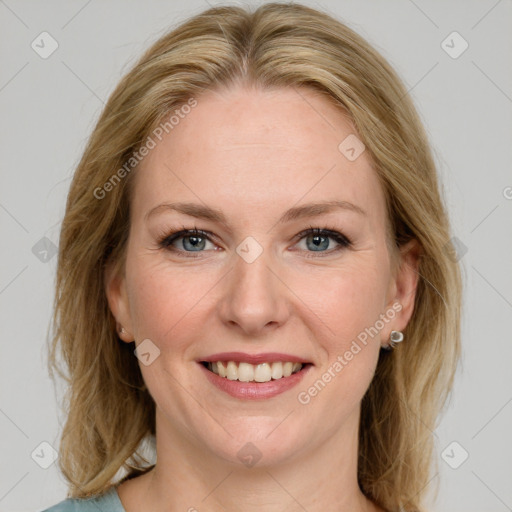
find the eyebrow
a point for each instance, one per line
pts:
(297, 212)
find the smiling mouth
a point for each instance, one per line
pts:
(246, 372)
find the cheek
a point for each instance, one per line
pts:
(165, 302)
(345, 301)
(351, 347)
(348, 317)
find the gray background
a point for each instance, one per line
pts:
(48, 109)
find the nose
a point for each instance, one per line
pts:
(255, 298)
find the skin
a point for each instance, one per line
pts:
(254, 154)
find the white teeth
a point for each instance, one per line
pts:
(232, 371)
(287, 369)
(221, 368)
(262, 373)
(245, 372)
(277, 370)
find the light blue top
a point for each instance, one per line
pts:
(106, 502)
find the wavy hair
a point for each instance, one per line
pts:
(109, 411)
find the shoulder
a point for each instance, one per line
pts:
(65, 506)
(109, 500)
(72, 505)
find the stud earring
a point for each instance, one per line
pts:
(394, 338)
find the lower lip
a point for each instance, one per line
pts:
(255, 390)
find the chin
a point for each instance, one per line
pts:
(260, 442)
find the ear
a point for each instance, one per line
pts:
(403, 289)
(117, 297)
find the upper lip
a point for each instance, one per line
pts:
(242, 357)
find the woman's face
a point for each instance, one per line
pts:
(246, 163)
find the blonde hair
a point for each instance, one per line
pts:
(109, 410)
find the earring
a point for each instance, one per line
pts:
(122, 331)
(394, 338)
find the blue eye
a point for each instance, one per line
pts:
(195, 240)
(192, 240)
(319, 239)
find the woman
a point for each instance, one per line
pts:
(255, 273)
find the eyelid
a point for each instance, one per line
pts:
(166, 238)
(324, 231)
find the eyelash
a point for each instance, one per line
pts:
(344, 242)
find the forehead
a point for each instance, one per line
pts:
(261, 148)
